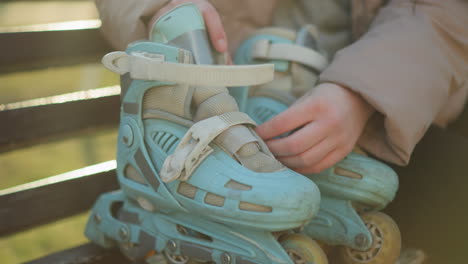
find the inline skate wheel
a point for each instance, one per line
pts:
(176, 259)
(386, 242)
(303, 250)
(134, 252)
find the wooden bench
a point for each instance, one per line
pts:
(42, 120)
(431, 210)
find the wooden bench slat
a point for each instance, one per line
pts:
(84, 254)
(58, 44)
(54, 198)
(41, 120)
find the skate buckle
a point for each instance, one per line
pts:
(121, 63)
(194, 146)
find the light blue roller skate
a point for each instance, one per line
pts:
(196, 181)
(355, 188)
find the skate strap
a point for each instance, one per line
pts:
(264, 49)
(194, 146)
(153, 67)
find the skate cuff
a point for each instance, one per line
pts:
(194, 146)
(265, 49)
(153, 67)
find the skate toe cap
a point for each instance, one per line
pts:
(274, 201)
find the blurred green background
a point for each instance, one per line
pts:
(57, 157)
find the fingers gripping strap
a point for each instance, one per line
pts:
(194, 146)
(149, 66)
(264, 49)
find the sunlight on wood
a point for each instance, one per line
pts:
(27, 13)
(68, 25)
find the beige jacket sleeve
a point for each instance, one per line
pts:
(123, 21)
(412, 67)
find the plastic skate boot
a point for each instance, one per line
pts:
(355, 188)
(196, 181)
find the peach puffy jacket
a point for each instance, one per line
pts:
(410, 64)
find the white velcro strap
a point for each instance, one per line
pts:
(153, 67)
(234, 139)
(194, 146)
(264, 49)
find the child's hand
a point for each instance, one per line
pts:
(212, 21)
(329, 121)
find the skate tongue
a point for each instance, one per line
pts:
(153, 67)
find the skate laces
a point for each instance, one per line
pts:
(194, 146)
(150, 66)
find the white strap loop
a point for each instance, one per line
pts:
(264, 49)
(194, 146)
(148, 66)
